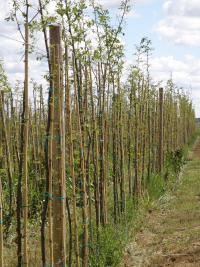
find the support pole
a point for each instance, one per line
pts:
(1, 227)
(160, 156)
(58, 151)
(25, 132)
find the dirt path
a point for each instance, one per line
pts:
(171, 236)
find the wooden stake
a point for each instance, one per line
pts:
(1, 228)
(160, 156)
(58, 149)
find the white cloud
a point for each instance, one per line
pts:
(133, 15)
(185, 72)
(12, 49)
(181, 23)
(116, 3)
(186, 8)
(113, 3)
(4, 9)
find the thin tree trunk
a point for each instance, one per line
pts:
(71, 159)
(8, 157)
(78, 97)
(25, 148)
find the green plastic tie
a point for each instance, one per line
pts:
(61, 198)
(47, 194)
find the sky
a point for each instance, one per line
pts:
(172, 25)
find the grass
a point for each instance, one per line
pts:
(175, 224)
(114, 237)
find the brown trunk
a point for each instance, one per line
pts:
(8, 154)
(1, 227)
(71, 159)
(160, 155)
(58, 150)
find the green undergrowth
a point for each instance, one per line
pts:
(108, 249)
(114, 237)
